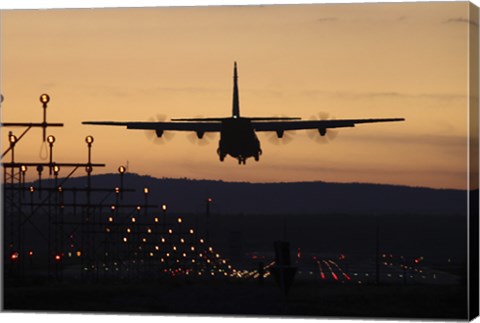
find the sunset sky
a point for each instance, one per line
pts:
(385, 60)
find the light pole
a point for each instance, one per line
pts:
(50, 140)
(12, 139)
(121, 170)
(44, 99)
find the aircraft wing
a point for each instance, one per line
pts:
(314, 124)
(163, 126)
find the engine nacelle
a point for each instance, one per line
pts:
(279, 133)
(159, 133)
(322, 131)
(200, 134)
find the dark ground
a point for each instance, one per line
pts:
(306, 299)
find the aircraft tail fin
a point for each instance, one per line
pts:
(236, 104)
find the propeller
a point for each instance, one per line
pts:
(199, 138)
(281, 137)
(152, 134)
(322, 136)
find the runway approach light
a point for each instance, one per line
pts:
(121, 169)
(44, 98)
(50, 139)
(89, 140)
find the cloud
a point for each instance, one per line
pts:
(327, 19)
(381, 95)
(461, 20)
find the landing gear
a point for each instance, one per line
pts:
(257, 155)
(221, 155)
(242, 160)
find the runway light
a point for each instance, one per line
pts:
(89, 140)
(145, 190)
(191, 231)
(12, 139)
(31, 189)
(30, 253)
(58, 257)
(164, 207)
(44, 98)
(155, 220)
(133, 219)
(23, 168)
(50, 139)
(179, 220)
(121, 169)
(14, 256)
(117, 190)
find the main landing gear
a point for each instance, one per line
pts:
(242, 160)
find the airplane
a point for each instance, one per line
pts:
(237, 133)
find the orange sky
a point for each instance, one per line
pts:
(350, 60)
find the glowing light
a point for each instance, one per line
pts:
(125, 239)
(145, 190)
(144, 240)
(151, 254)
(44, 98)
(168, 254)
(179, 220)
(163, 240)
(210, 249)
(149, 230)
(58, 257)
(107, 229)
(202, 241)
(12, 139)
(31, 189)
(23, 168)
(157, 248)
(14, 256)
(110, 219)
(174, 248)
(89, 140)
(129, 230)
(79, 253)
(170, 231)
(30, 253)
(182, 240)
(138, 207)
(155, 219)
(164, 207)
(121, 169)
(50, 139)
(193, 260)
(134, 220)
(117, 190)
(184, 254)
(192, 248)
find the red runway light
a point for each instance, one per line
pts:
(14, 256)
(322, 275)
(58, 257)
(334, 276)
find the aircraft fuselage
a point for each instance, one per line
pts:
(238, 139)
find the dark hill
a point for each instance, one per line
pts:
(186, 195)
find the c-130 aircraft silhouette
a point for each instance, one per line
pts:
(237, 133)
